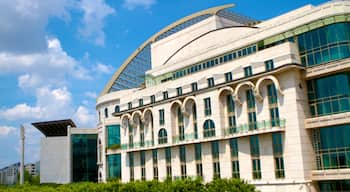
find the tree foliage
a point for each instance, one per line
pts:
(184, 185)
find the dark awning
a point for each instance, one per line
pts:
(54, 128)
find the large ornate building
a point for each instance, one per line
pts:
(217, 94)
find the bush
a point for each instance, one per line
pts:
(184, 185)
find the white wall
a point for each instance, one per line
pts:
(54, 160)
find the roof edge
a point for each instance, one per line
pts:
(115, 76)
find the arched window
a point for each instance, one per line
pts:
(209, 128)
(162, 136)
(117, 109)
(106, 112)
(99, 150)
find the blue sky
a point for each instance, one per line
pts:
(57, 55)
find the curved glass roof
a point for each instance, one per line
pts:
(132, 71)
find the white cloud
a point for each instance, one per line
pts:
(6, 130)
(40, 69)
(102, 68)
(95, 13)
(132, 4)
(50, 104)
(91, 94)
(84, 117)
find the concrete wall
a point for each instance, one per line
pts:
(54, 158)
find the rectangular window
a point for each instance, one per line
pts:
(153, 98)
(129, 105)
(256, 169)
(211, 82)
(155, 164)
(131, 165)
(168, 162)
(228, 76)
(179, 91)
(198, 152)
(165, 95)
(183, 161)
(272, 93)
(248, 71)
(269, 65)
(255, 155)
(161, 117)
(207, 106)
(275, 117)
(234, 158)
(254, 145)
(143, 163)
(113, 132)
(215, 156)
(114, 166)
(252, 124)
(215, 149)
(140, 102)
(194, 87)
(277, 146)
(250, 99)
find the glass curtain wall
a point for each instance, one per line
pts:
(329, 95)
(84, 152)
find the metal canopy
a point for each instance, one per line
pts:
(54, 128)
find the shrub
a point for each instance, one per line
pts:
(181, 185)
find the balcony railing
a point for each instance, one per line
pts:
(244, 128)
(261, 125)
(136, 145)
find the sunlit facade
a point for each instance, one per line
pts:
(222, 95)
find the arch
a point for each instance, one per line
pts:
(259, 82)
(175, 102)
(208, 128)
(138, 112)
(162, 136)
(144, 113)
(227, 88)
(183, 107)
(238, 87)
(128, 117)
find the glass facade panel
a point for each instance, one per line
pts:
(84, 153)
(334, 186)
(114, 166)
(332, 147)
(113, 135)
(329, 95)
(325, 44)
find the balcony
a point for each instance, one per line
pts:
(331, 67)
(330, 174)
(261, 127)
(137, 145)
(264, 126)
(328, 120)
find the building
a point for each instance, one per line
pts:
(31, 168)
(67, 154)
(9, 175)
(217, 94)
